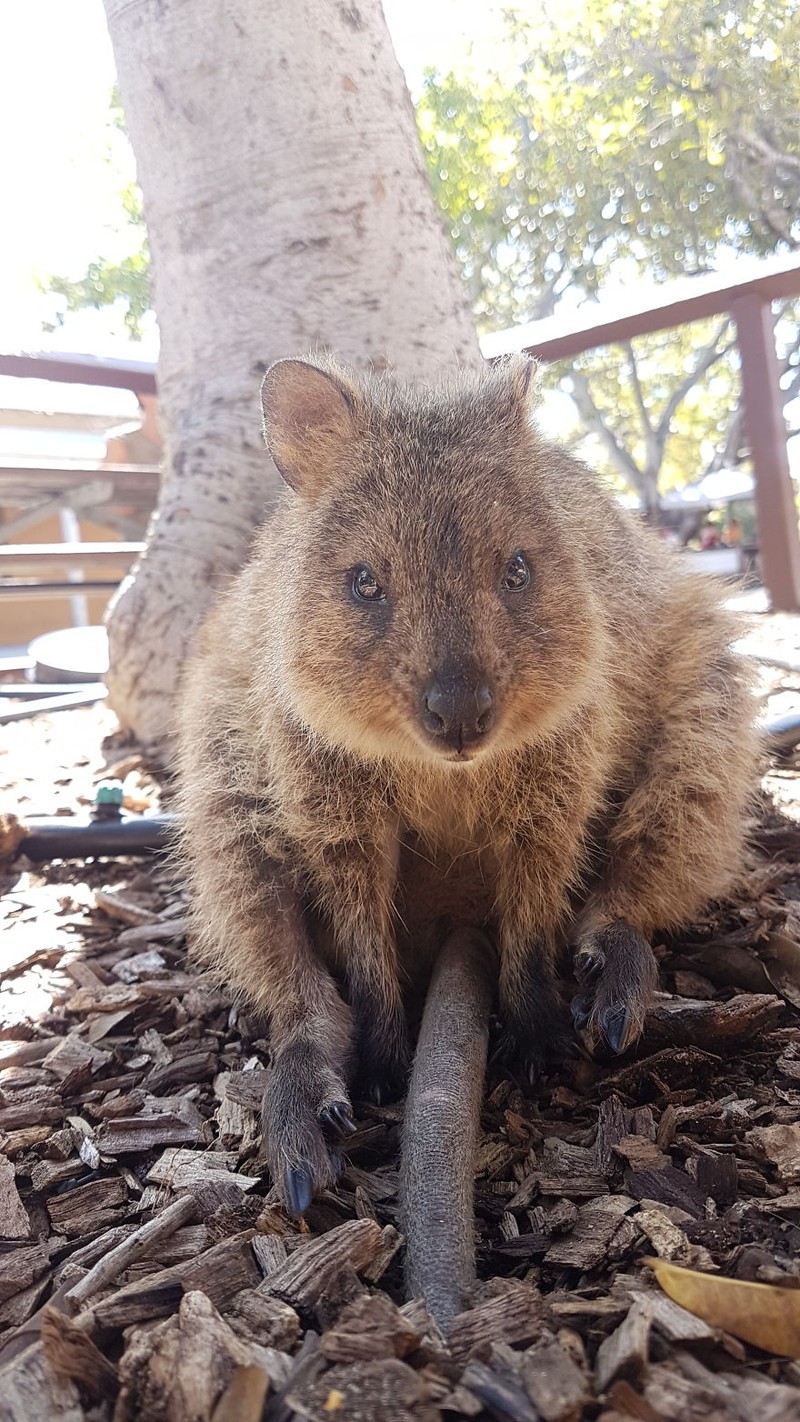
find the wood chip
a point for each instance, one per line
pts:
(74, 1357)
(14, 1221)
(391, 1242)
(123, 907)
(514, 1316)
(717, 1176)
(164, 931)
(244, 1397)
(134, 1247)
(259, 1318)
(501, 1395)
(311, 1268)
(669, 1186)
(389, 1390)
(270, 1253)
(38, 1105)
(584, 1247)
(719, 1027)
(182, 1368)
(98, 1201)
(780, 1145)
(30, 1390)
(371, 1327)
(675, 1323)
(556, 1386)
(161, 1122)
(20, 1268)
(668, 1239)
(624, 1353)
(640, 1153)
(186, 1169)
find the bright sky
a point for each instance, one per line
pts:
(62, 167)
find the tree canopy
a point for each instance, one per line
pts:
(613, 142)
(618, 139)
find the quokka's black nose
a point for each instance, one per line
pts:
(456, 713)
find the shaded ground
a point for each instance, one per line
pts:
(129, 1093)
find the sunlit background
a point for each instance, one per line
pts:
(64, 166)
(68, 182)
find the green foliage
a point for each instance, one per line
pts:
(634, 138)
(106, 283)
(616, 142)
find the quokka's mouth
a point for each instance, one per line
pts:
(448, 755)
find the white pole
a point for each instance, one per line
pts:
(71, 533)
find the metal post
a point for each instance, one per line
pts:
(766, 430)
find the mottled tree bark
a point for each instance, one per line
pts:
(287, 207)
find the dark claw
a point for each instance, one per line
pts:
(298, 1184)
(588, 966)
(382, 1081)
(343, 1114)
(338, 1119)
(615, 1025)
(525, 1064)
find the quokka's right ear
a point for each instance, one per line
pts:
(308, 422)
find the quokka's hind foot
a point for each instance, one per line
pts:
(617, 976)
(306, 1114)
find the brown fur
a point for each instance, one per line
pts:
(331, 844)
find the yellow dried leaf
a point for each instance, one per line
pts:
(333, 1401)
(763, 1314)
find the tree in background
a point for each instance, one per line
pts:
(287, 206)
(620, 142)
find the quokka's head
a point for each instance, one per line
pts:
(433, 602)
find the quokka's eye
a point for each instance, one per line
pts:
(366, 587)
(517, 574)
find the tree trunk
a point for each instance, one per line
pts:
(287, 207)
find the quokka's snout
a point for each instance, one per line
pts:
(457, 708)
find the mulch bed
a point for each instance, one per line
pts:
(147, 1271)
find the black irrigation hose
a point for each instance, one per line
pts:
(63, 839)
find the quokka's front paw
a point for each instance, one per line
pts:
(384, 1057)
(306, 1112)
(535, 1033)
(617, 976)
(525, 1055)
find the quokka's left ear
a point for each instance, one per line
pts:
(309, 422)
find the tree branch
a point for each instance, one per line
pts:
(760, 146)
(647, 428)
(709, 356)
(591, 416)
